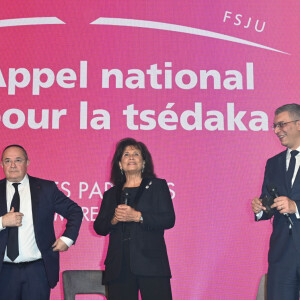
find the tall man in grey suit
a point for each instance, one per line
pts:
(282, 179)
(29, 250)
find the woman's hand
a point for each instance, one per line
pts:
(125, 213)
(114, 220)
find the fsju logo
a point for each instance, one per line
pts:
(240, 20)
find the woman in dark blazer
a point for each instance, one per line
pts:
(135, 213)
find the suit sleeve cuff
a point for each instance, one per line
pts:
(297, 212)
(67, 241)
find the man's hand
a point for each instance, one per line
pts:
(12, 219)
(125, 213)
(284, 205)
(59, 245)
(257, 206)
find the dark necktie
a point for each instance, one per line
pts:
(291, 169)
(12, 242)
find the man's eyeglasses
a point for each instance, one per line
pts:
(17, 161)
(281, 125)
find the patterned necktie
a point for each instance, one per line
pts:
(12, 242)
(291, 169)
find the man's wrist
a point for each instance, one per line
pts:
(69, 242)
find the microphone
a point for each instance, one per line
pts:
(272, 189)
(274, 193)
(124, 200)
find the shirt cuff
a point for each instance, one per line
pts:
(67, 241)
(259, 215)
(1, 227)
(297, 212)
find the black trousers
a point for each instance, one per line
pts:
(284, 275)
(128, 285)
(26, 281)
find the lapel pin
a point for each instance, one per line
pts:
(147, 186)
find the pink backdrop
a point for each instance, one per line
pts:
(209, 137)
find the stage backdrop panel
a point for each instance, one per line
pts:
(197, 81)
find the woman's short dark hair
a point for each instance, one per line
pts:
(116, 177)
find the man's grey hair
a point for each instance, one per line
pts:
(293, 109)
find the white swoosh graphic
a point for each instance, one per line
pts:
(178, 28)
(30, 21)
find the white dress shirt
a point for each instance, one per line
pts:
(28, 249)
(297, 157)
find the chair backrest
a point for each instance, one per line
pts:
(262, 288)
(82, 282)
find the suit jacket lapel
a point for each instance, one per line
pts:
(3, 203)
(34, 191)
(283, 167)
(296, 181)
(118, 194)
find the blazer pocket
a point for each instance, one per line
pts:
(154, 253)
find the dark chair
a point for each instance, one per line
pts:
(82, 282)
(262, 288)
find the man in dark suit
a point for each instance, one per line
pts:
(29, 262)
(282, 179)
